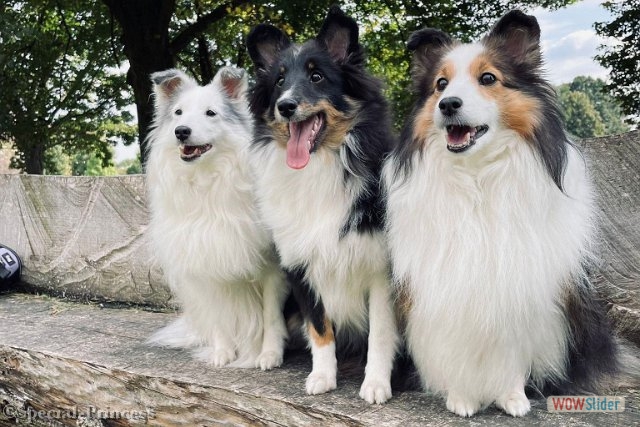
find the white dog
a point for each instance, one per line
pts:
(205, 232)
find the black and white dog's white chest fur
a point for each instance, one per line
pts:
(322, 133)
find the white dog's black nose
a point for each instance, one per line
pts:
(450, 105)
(287, 107)
(183, 133)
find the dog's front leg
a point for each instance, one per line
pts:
(383, 341)
(323, 353)
(274, 294)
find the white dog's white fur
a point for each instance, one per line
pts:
(217, 258)
(485, 244)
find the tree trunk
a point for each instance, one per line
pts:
(34, 158)
(145, 35)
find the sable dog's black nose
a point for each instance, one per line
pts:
(287, 107)
(183, 133)
(450, 105)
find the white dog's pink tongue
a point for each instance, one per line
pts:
(301, 142)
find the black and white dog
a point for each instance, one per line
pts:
(322, 132)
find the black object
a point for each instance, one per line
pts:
(10, 265)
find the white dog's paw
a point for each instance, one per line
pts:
(269, 360)
(320, 382)
(217, 357)
(375, 390)
(514, 403)
(462, 406)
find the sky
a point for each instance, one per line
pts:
(569, 43)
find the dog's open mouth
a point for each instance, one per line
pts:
(461, 137)
(189, 153)
(302, 140)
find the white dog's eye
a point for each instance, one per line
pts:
(178, 112)
(211, 113)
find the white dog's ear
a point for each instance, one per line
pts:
(233, 81)
(168, 82)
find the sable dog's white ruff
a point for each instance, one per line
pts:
(485, 244)
(205, 231)
(350, 273)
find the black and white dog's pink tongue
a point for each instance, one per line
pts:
(299, 144)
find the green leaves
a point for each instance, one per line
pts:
(58, 81)
(589, 110)
(623, 58)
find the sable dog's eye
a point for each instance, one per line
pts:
(316, 77)
(441, 84)
(280, 81)
(487, 79)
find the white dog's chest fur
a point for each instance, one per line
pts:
(484, 251)
(205, 213)
(306, 210)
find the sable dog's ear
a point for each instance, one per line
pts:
(518, 36)
(264, 43)
(428, 46)
(339, 33)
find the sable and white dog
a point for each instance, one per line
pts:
(322, 132)
(217, 258)
(491, 224)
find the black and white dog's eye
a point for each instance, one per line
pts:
(441, 84)
(178, 112)
(211, 113)
(280, 81)
(316, 77)
(487, 79)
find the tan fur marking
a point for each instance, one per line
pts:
(337, 125)
(322, 340)
(424, 119)
(518, 111)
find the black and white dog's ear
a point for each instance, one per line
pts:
(168, 82)
(339, 33)
(264, 43)
(233, 81)
(518, 36)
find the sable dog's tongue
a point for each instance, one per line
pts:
(301, 141)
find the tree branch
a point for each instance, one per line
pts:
(201, 24)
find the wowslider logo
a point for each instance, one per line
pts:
(585, 404)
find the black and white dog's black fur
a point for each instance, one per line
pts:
(322, 132)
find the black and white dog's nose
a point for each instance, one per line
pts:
(450, 105)
(183, 133)
(287, 107)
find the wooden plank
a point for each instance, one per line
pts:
(57, 357)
